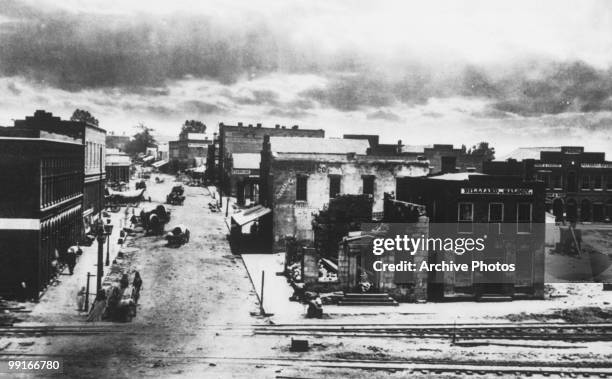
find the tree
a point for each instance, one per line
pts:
(83, 116)
(141, 140)
(193, 126)
(483, 149)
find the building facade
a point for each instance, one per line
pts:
(41, 204)
(578, 183)
(245, 176)
(507, 211)
(117, 166)
(94, 141)
(249, 139)
(299, 176)
(190, 150)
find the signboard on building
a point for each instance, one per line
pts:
(497, 191)
(241, 172)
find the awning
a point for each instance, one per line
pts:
(158, 164)
(249, 215)
(199, 169)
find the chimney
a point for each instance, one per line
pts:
(250, 125)
(294, 127)
(277, 126)
(259, 124)
(240, 124)
(283, 127)
(220, 124)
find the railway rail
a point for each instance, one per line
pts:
(571, 332)
(424, 367)
(516, 331)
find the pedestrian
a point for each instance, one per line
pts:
(71, 259)
(81, 299)
(137, 285)
(98, 308)
(124, 282)
(137, 282)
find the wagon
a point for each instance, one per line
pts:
(178, 236)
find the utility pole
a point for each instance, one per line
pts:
(101, 238)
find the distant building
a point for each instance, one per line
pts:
(41, 202)
(117, 166)
(299, 176)
(578, 183)
(442, 158)
(93, 139)
(508, 210)
(114, 141)
(190, 150)
(245, 176)
(249, 139)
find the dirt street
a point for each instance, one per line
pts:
(195, 319)
(196, 301)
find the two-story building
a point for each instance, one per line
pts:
(508, 213)
(94, 142)
(241, 139)
(300, 175)
(41, 203)
(578, 183)
(190, 150)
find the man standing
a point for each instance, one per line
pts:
(71, 259)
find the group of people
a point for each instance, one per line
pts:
(116, 303)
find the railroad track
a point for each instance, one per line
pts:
(523, 331)
(499, 331)
(304, 365)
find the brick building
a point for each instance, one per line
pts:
(508, 210)
(249, 139)
(190, 150)
(41, 203)
(442, 158)
(578, 183)
(94, 141)
(299, 176)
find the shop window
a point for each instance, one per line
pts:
(557, 181)
(585, 184)
(544, 178)
(523, 217)
(496, 216)
(598, 182)
(368, 185)
(609, 182)
(301, 188)
(334, 185)
(465, 217)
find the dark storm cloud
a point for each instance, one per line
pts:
(547, 88)
(140, 54)
(78, 50)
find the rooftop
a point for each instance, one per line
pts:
(318, 145)
(528, 153)
(456, 176)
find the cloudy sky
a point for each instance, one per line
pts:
(514, 73)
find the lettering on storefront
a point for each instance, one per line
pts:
(497, 191)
